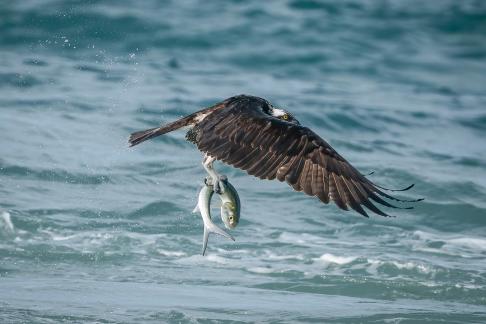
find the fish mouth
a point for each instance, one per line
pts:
(230, 224)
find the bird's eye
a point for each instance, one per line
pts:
(285, 117)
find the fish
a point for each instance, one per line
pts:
(203, 206)
(230, 206)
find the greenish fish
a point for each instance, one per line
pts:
(203, 206)
(230, 206)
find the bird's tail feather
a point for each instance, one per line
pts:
(141, 136)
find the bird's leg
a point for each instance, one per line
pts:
(217, 180)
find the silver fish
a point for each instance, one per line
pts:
(230, 206)
(203, 206)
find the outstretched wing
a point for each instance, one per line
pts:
(243, 136)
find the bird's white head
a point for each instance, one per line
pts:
(283, 115)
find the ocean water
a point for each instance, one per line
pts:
(92, 231)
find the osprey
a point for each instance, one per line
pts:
(251, 134)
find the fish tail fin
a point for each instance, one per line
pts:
(205, 240)
(215, 229)
(142, 136)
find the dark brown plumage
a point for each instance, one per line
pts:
(241, 131)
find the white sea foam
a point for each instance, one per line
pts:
(63, 238)
(453, 244)
(306, 239)
(171, 253)
(262, 270)
(331, 258)
(468, 242)
(301, 239)
(409, 265)
(86, 238)
(6, 221)
(233, 251)
(217, 259)
(272, 256)
(311, 240)
(204, 260)
(468, 286)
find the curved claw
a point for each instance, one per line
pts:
(208, 181)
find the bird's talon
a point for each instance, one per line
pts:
(221, 187)
(208, 181)
(220, 184)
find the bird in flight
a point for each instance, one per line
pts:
(249, 133)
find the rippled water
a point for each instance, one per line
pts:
(91, 231)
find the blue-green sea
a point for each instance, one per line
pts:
(92, 231)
